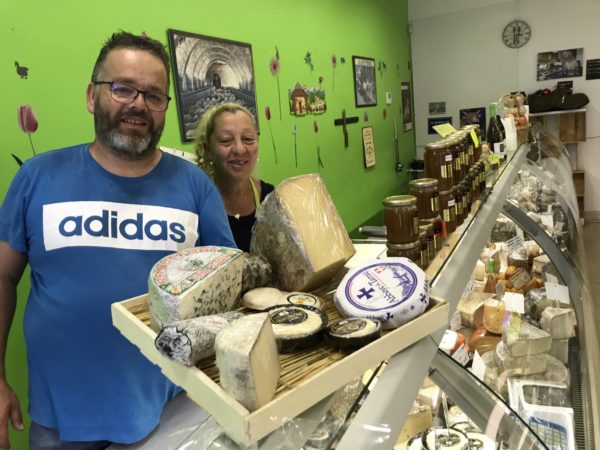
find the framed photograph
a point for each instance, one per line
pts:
(207, 71)
(406, 106)
(476, 116)
(437, 108)
(365, 90)
(368, 146)
(560, 64)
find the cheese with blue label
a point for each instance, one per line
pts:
(391, 290)
(194, 282)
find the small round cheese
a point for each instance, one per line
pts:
(296, 327)
(262, 298)
(445, 438)
(304, 298)
(391, 290)
(353, 332)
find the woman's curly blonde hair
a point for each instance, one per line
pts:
(206, 128)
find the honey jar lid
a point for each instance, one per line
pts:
(424, 182)
(400, 200)
(425, 225)
(436, 145)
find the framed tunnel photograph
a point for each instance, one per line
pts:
(208, 71)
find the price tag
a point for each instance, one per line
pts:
(547, 220)
(499, 289)
(474, 138)
(514, 302)
(470, 287)
(448, 341)
(515, 243)
(478, 367)
(520, 278)
(444, 129)
(455, 322)
(460, 355)
(557, 292)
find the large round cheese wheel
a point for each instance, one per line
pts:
(391, 290)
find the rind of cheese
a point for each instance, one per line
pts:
(471, 308)
(479, 271)
(530, 340)
(257, 272)
(559, 322)
(194, 282)
(299, 231)
(521, 365)
(248, 362)
(188, 341)
(493, 315)
(539, 262)
(297, 327)
(391, 290)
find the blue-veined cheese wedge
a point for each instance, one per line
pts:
(194, 282)
(391, 290)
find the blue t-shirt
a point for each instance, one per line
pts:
(91, 238)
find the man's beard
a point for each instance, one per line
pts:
(129, 146)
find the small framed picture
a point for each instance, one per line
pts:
(368, 146)
(434, 121)
(365, 90)
(209, 70)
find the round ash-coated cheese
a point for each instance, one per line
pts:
(303, 298)
(444, 438)
(391, 290)
(353, 332)
(296, 327)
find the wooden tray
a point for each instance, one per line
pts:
(306, 378)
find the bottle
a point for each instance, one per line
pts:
(490, 277)
(495, 133)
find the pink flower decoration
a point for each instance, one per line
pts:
(274, 67)
(27, 120)
(333, 61)
(320, 80)
(268, 112)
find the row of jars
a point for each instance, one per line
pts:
(415, 222)
(450, 159)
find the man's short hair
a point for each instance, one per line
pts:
(124, 39)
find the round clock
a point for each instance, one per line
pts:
(516, 34)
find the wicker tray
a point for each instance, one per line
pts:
(306, 378)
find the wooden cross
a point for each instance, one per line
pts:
(343, 122)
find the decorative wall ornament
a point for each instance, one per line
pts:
(316, 130)
(406, 105)
(28, 124)
(305, 100)
(209, 71)
(274, 67)
(308, 61)
(268, 116)
(22, 71)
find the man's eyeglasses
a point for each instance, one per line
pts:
(123, 93)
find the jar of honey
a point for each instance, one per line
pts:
(436, 225)
(427, 193)
(458, 198)
(457, 156)
(424, 252)
(427, 228)
(401, 219)
(412, 250)
(448, 209)
(438, 164)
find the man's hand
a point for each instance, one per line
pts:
(10, 410)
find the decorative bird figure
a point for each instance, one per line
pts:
(21, 71)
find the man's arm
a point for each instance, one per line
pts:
(12, 265)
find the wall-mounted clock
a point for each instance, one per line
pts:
(516, 34)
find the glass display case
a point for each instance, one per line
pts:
(534, 192)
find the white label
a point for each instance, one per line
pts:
(478, 367)
(118, 225)
(547, 220)
(448, 341)
(455, 322)
(460, 355)
(448, 158)
(557, 292)
(515, 243)
(514, 302)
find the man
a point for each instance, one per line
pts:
(91, 221)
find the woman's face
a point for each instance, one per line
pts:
(234, 145)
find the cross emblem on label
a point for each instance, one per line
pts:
(366, 293)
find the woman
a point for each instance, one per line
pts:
(227, 149)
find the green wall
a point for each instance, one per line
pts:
(58, 41)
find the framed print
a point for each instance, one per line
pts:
(406, 106)
(470, 116)
(365, 90)
(368, 146)
(560, 64)
(208, 71)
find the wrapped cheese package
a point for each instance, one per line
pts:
(298, 230)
